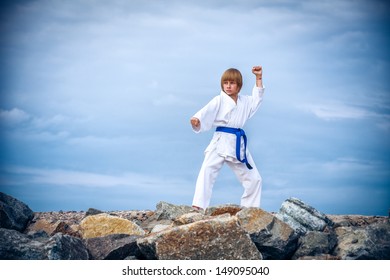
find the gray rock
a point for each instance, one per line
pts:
(274, 239)
(167, 211)
(214, 239)
(14, 214)
(18, 246)
(151, 223)
(93, 211)
(113, 247)
(302, 217)
(315, 244)
(65, 247)
(370, 243)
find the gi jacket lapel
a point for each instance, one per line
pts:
(227, 104)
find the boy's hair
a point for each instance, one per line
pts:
(232, 74)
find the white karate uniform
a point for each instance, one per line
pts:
(223, 111)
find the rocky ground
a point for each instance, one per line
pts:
(297, 231)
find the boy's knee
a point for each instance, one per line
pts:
(257, 179)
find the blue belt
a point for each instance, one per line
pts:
(239, 133)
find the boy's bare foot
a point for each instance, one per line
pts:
(197, 209)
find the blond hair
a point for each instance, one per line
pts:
(232, 74)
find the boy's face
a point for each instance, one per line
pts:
(231, 88)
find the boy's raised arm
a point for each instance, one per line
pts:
(258, 72)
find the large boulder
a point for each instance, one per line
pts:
(105, 224)
(302, 217)
(369, 243)
(14, 214)
(213, 239)
(275, 239)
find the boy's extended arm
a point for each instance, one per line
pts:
(195, 122)
(204, 119)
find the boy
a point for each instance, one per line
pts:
(229, 113)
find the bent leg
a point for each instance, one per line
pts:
(208, 173)
(250, 180)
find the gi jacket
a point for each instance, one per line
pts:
(223, 111)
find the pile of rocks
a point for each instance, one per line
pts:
(176, 232)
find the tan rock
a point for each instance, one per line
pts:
(214, 239)
(231, 209)
(44, 225)
(104, 224)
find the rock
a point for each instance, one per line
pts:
(14, 214)
(18, 246)
(167, 211)
(160, 227)
(93, 211)
(315, 244)
(371, 243)
(302, 217)
(64, 228)
(322, 257)
(65, 247)
(214, 239)
(42, 225)
(355, 220)
(105, 224)
(275, 239)
(55, 222)
(113, 247)
(137, 217)
(150, 224)
(188, 218)
(222, 232)
(232, 209)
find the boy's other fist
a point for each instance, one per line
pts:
(195, 122)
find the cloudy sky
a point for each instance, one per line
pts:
(96, 98)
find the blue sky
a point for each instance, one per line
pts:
(96, 98)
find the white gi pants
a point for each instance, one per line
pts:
(212, 164)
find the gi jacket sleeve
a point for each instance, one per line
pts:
(207, 114)
(255, 100)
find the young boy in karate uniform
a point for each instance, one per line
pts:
(228, 112)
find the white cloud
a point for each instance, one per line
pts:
(62, 177)
(14, 116)
(336, 111)
(349, 165)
